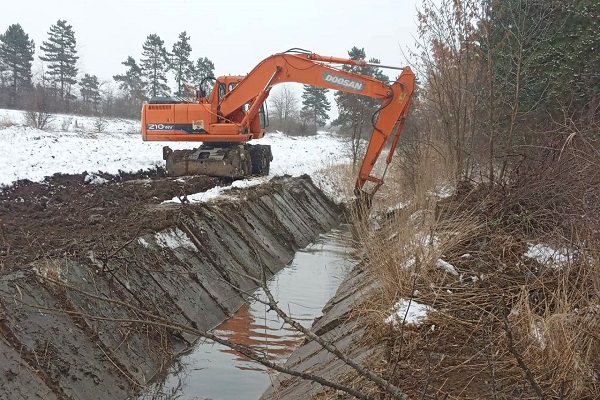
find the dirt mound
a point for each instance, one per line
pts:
(69, 215)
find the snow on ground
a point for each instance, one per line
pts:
(72, 144)
(408, 311)
(549, 256)
(446, 266)
(174, 239)
(218, 191)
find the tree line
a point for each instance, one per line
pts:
(499, 81)
(62, 87)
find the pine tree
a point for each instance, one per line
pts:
(3, 72)
(132, 84)
(203, 68)
(569, 55)
(356, 111)
(61, 55)
(546, 54)
(16, 56)
(155, 64)
(90, 92)
(181, 64)
(316, 105)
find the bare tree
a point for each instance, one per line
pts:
(285, 102)
(524, 24)
(450, 63)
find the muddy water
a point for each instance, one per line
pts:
(212, 371)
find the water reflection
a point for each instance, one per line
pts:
(265, 335)
(301, 289)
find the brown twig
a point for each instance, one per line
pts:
(511, 348)
(106, 259)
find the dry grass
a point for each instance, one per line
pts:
(6, 122)
(400, 187)
(507, 326)
(342, 179)
(56, 270)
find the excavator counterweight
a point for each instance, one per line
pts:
(234, 114)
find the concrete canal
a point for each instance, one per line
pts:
(213, 371)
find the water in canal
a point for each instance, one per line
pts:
(212, 371)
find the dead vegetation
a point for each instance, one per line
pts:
(38, 119)
(6, 122)
(513, 320)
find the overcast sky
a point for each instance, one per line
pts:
(234, 34)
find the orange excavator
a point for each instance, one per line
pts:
(233, 114)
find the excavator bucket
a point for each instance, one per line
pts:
(363, 200)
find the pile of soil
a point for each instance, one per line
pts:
(69, 215)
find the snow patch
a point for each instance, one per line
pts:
(94, 179)
(538, 334)
(408, 311)
(446, 266)
(174, 239)
(217, 191)
(398, 207)
(429, 241)
(548, 256)
(443, 191)
(412, 260)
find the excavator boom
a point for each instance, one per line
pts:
(234, 114)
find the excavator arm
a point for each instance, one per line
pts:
(313, 69)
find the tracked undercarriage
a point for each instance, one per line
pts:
(224, 160)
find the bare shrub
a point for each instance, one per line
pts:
(449, 58)
(65, 124)
(502, 317)
(525, 326)
(6, 122)
(100, 124)
(38, 119)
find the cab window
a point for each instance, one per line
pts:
(221, 91)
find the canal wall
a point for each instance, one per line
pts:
(77, 328)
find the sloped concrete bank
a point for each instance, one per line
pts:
(77, 328)
(338, 326)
